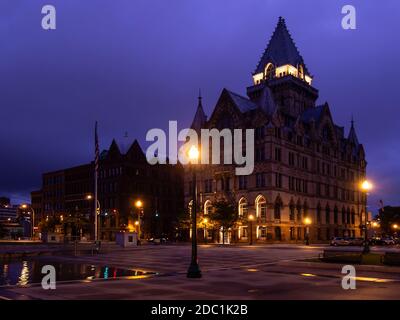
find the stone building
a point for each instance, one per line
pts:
(125, 177)
(306, 166)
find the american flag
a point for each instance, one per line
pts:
(382, 207)
(96, 150)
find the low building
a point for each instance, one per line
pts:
(124, 177)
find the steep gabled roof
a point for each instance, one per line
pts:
(200, 117)
(242, 103)
(281, 50)
(312, 114)
(352, 138)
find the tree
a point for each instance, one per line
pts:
(224, 215)
(388, 217)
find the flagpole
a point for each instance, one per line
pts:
(96, 169)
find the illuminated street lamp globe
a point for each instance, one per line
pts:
(138, 204)
(193, 153)
(307, 221)
(366, 186)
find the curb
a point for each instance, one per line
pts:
(335, 266)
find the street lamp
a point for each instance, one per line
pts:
(139, 206)
(365, 187)
(194, 269)
(25, 206)
(307, 222)
(251, 219)
(97, 212)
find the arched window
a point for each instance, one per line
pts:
(319, 212)
(261, 207)
(305, 209)
(335, 214)
(269, 71)
(353, 216)
(343, 215)
(277, 208)
(327, 214)
(298, 207)
(301, 71)
(348, 215)
(207, 207)
(291, 210)
(243, 207)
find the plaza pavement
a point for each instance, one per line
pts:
(229, 272)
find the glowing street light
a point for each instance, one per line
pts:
(395, 226)
(194, 269)
(307, 222)
(251, 219)
(25, 206)
(193, 154)
(139, 204)
(365, 187)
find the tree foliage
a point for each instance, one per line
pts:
(225, 215)
(389, 216)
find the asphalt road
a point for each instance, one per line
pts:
(230, 272)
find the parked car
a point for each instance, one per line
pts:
(356, 241)
(382, 241)
(339, 241)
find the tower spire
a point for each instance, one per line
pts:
(200, 117)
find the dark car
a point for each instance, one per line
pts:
(356, 241)
(382, 241)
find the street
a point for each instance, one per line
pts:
(230, 272)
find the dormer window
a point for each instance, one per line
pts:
(269, 71)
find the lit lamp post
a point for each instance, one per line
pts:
(251, 219)
(365, 187)
(395, 228)
(139, 205)
(194, 269)
(307, 222)
(96, 225)
(25, 206)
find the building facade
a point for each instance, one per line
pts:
(306, 166)
(124, 178)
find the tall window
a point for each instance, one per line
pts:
(207, 207)
(291, 212)
(277, 210)
(261, 207)
(278, 154)
(348, 215)
(335, 215)
(298, 212)
(343, 215)
(278, 180)
(243, 207)
(327, 215)
(353, 216)
(260, 180)
(242, 182)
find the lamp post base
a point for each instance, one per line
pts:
(194, 271)
(366, 250)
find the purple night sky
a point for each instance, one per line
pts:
(134, 65)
